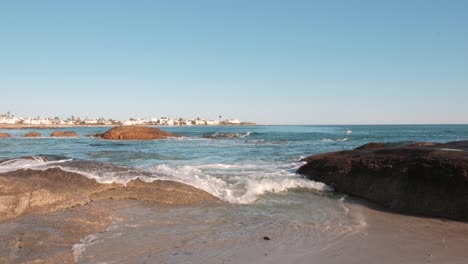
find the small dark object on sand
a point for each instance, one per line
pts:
(266, 238)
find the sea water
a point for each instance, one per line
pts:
(253, 174)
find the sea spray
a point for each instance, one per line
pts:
(241, 184)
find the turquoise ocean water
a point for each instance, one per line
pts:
(261, 159)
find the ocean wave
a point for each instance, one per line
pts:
(237, 183)
(31, 162)
(224, 135)
(240, 183)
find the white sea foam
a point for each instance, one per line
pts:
(107, 177)
(236, 183)
(79, 248)
(247, 134)
(35, 162)
(342, 139)
(233, 183)
(240, 183)
(450, 149)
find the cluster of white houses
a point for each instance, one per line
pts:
(163, 121)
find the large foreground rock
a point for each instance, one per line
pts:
(28, 191)
(135, 133)
(423, 178)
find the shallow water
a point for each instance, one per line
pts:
(218, 233)
(254, 174)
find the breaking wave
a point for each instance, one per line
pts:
(31, 162)
(234, 183)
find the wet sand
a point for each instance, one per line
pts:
(49, 237)
(209, 234)
(386, 238)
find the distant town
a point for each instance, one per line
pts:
(10, 119)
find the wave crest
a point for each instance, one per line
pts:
(240, 183)
(235, 183)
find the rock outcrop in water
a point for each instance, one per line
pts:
(64, 134)
(134, 133)
(32, 134)
(422, 178)
(220, 135)
(28, 191)
(4, 135)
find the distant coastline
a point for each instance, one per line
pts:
(9, 120)
(52, 126)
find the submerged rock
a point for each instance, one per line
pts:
(32, 134)
(220, 135)
(134, 133)
(421, 178)
(64, 134)
(4, 135)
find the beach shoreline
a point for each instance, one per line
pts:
(82, 200)
(26, 126)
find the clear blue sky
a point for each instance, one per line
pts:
(272, 62)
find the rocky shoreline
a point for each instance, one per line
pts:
(55, 209)
(38, 191)
(134, 132)
(429, 179)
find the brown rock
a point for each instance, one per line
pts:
(420, 178)
(4, 135)
(64, 134)
(373, 145)
(49, 238)
(33, 134)
(135, 133)
(26, 191)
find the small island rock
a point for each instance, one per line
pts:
(4, 135)
(33, 134)
(135, 133)
(64, 134)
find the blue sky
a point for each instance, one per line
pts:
(272, 62)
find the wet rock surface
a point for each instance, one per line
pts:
(32, 134)
(29, 191)
(134, 133)
(421, 178)
(45, 213)
(221, 135)
(49, 237)
(4, 135)
(64, 134)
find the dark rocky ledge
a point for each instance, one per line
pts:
(429, 179)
